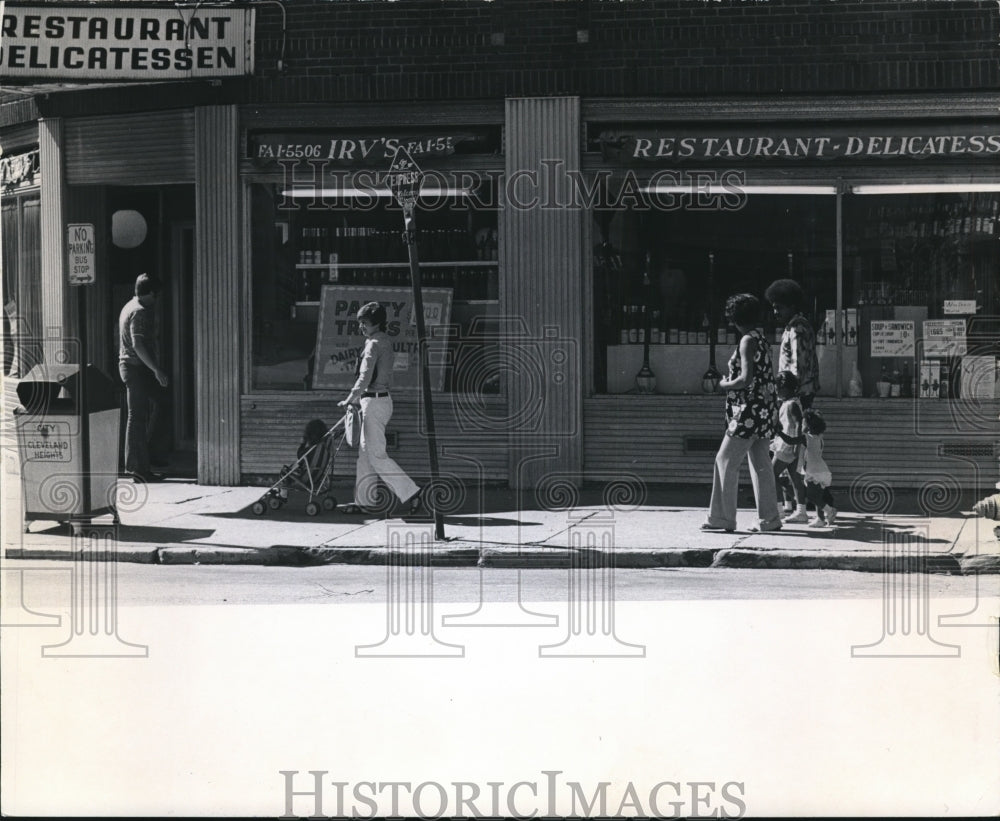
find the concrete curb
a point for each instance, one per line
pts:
(459, 555)
(986, 564)
(625, 558)
(866, 562)
(134, 555)
(471, 554)
(260, 556)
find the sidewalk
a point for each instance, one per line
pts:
(179, 522)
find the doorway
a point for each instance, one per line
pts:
(165, 249)
(182, 377)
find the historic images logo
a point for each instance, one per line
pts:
(544, 796)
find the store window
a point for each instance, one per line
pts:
(663, 270)
(22, 292)
(922, 277)
(317, 256)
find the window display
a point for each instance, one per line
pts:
(302, 248)
(921, 270)
(22, 287)
(920, 290)
(662, 276)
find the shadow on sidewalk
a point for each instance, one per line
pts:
(857, 528)
(294, 513)
(135, 534)
(142, 534)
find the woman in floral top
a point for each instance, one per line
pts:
(751, 423)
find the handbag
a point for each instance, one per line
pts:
(352, 426)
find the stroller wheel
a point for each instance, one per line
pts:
(312, 509)
(274, 503)
(329, 502)
(258, 508)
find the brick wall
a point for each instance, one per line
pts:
(429, 49)
(373, 50)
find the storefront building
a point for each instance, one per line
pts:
(582, 221)
(887, 220)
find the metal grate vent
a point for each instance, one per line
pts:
(701, 444)
(978, 450)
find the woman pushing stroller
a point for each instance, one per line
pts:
(372, 392)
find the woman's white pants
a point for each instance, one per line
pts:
(372, 460)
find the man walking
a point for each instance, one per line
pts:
(798, 340)
(140, 371)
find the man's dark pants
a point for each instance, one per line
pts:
(142, 392)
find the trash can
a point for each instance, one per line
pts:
(49, 438)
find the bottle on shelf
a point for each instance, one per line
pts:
(333, 268)
(310, 238)
(305, 253)
(460, 244)
(655, 334)
(883, 386)
(633, 324)
(854, 387)
(623, 328)
(896, 384)
(367, 248)
(471, 282)
(493, 283)
(357, 253)
(641, 326)
(320, 246)
(344, 244)
(303, 245)
(481, 282)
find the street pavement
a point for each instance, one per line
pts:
(180, 522)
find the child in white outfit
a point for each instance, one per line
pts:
(815, 470)
(784, 451)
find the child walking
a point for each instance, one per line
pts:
(784, 451)
(815, 470)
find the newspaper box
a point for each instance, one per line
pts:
(50, 425)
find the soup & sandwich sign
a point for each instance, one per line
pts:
(125, 43)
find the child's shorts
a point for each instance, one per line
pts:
(823, 478)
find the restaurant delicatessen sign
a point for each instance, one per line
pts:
(125, 43)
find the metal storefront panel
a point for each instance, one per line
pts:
(149, 148)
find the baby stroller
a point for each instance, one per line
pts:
(312, 471)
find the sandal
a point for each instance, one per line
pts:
(353, 510)
(415, 504)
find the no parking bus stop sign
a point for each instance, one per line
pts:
(80, 250)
